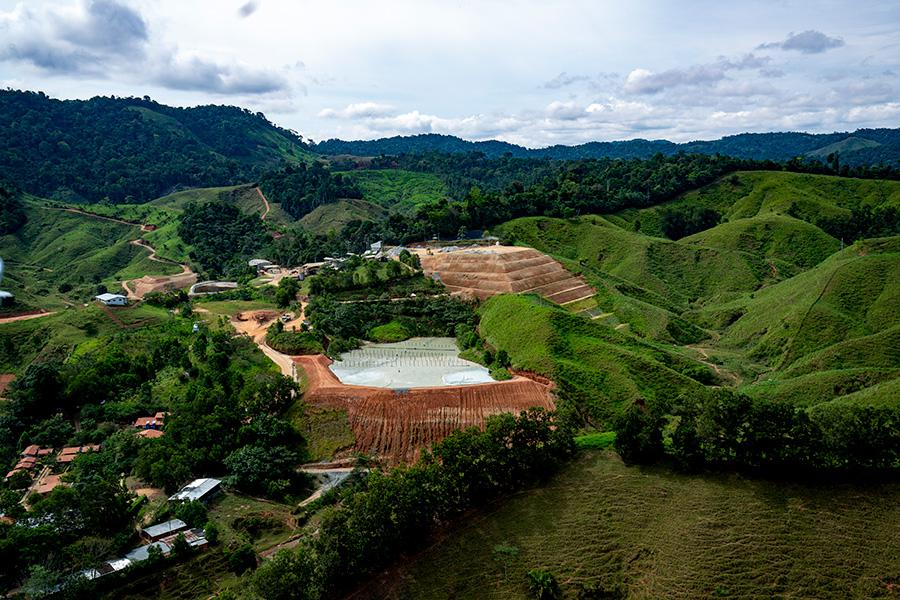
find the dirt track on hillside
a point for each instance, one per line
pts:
(395, 425)
(265, 204)
(25, 317)
(136, 289)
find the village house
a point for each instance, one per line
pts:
(68, 454)
(112, 299)
(155, 422)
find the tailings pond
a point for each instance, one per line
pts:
(417, 362)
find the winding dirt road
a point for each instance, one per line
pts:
(265, 203)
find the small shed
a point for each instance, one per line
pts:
(163, 530)
(112, 299)
(199, 489)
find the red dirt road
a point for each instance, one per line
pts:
(396, 425)
(265, 203)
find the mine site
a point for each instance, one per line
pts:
(449, 300)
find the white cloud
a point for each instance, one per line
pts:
(357, 110)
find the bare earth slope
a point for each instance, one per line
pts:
(488, 271)
(396, 424)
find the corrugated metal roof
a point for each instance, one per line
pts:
(163, 529)
(196, 489)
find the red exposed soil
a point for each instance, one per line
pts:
(395, 425)
(24, 316)
(491, 270)
(5, 380)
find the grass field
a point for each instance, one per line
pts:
(243, 519)
(334, 216)
(397, 189)
(761, 193)
(59, 257)
(60, 333)
(650, 533)
(326, 430)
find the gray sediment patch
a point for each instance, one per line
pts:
(417, 362)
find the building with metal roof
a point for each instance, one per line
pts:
(161, 530)
(199, 489)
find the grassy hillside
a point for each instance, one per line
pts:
(165, 214)
(770, 236)
(58, 334)
(682, 274)
(793, 317)
(762, 193)
(607, 530)
(852, 294)
(333, 217)
(597, 368)
(59, 257)
(398, 189)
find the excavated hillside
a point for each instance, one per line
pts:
(488, 271)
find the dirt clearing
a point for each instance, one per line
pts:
(490, 270)
(396, 424)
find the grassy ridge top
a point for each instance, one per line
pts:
(770, 236)
(599, 368)
(681, 273)
(749, 194)
(398, 189)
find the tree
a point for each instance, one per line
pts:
(242, 559)
(638, 435)
(193, 513)
(287, 291)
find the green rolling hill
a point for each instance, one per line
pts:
(59, 257)
(774, 301)
(334, 216)
(771, 236)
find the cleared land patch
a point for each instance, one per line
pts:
(396, 424)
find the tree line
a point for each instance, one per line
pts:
(389, 513)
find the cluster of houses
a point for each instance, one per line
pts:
(264, 267)
(163, 536)
(151, 427)
(34, 456)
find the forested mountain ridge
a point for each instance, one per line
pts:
(861, 147)
(133, 149)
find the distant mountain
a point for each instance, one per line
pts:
(861, 147)
(133, 149)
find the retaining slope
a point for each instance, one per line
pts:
(396, 424)
(488, 271)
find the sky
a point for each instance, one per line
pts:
(535, 73)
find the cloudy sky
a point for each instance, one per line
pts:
(531, 72)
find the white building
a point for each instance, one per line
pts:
(198, 489)
(112, 299)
